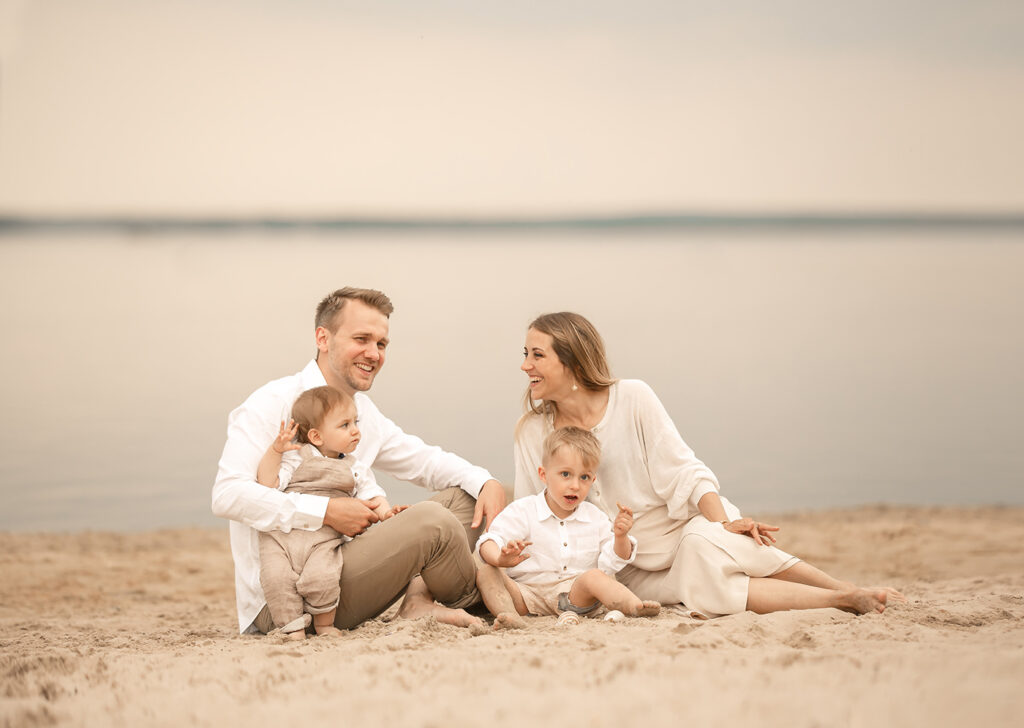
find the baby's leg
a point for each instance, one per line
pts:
(320, 587)
(595, 585)
(323, 623)
(501, 596)
(278, 581)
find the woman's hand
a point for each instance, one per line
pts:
(755, 529)
(285, 439)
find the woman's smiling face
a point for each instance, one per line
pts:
(549, 378)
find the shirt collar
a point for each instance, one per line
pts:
(544, 511)
(311, 376)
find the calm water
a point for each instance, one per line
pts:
(808, 368)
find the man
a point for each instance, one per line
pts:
(433, 538)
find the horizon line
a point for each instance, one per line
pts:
(172, 223)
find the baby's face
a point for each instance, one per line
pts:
(339, 431)
(568, 480)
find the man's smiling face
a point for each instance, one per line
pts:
(351, 357)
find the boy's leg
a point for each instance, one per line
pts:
(595, 585)
(379, 564)
(501, 595)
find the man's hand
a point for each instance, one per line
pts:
(349, 516)
(489, 503)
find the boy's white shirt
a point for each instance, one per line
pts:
(252, 507)
(562, 547)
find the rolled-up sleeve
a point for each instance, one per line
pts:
(407, 457)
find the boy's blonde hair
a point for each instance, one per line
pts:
(577, 439)
(312, 407)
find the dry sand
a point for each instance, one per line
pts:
(133, 629)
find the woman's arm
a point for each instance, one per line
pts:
(712, 509)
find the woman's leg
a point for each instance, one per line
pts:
(772, 594)
(803, 573)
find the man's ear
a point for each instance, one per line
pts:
(542, 474)
(315, 437)
(320, 336)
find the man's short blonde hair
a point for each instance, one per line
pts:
(577, 439)
(312, 407)
(328, 310)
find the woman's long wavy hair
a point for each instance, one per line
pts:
(579, 348)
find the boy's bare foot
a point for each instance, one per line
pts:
(864, 601)
(509, 620)
(648, 609)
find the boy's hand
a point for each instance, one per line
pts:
(512, 553)
(623, 521)
(285, 439)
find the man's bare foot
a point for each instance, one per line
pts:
(328, 631)
(415, 606)
(295, 636)
(863, 601)
(509, 620)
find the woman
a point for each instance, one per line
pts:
(694, 546)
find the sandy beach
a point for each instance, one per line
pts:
(129, 629)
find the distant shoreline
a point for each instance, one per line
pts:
(18, 224)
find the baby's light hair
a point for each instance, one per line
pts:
(577, 439)
(312, 407)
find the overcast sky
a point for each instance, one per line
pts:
(326, 107)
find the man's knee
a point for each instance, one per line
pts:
(430, 519)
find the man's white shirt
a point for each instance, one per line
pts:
(562, 547)
(253, 507)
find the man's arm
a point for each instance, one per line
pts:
(407, 457)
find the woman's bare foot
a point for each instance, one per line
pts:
(863, 601)
(893, 594)
(509, 620)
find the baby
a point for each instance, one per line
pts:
(300, 570)
(575, 550)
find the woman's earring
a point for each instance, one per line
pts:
(574, 387)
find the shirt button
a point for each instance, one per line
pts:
(561, 523)
(563, 568)
(566, 543)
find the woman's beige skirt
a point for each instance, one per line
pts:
(711, 569)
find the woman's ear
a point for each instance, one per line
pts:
(542, 474)
(315, 437)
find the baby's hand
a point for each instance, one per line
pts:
(393, 512)
(623, 521)
(285, 439)
(512, 553)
